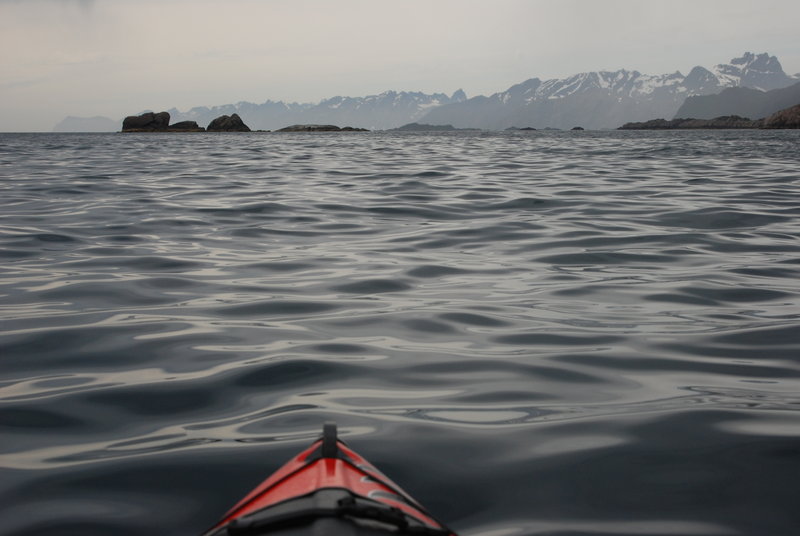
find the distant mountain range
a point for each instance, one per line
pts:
(594, 100)
(605, 99)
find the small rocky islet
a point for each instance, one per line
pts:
(159, 122)
(320, 128)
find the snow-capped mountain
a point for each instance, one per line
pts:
(387, 110)
(760, 71)
(607, 99)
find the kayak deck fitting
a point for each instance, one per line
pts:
(328, 489)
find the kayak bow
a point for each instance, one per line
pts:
(328, 489)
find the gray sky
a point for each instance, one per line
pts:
(119, 57)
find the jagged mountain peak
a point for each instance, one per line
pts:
(458, 95)
(748, 58)
(700, 81)
(760, 71)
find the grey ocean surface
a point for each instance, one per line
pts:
(560, 333)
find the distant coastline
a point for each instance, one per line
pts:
(752, 86)
(788, 118)
(730, 122)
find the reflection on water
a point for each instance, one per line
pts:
(533, 333)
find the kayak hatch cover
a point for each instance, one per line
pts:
(328, 489)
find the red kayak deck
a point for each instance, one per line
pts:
(329, 482)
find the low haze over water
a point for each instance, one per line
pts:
(544, 333)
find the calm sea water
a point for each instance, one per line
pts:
(533, 333)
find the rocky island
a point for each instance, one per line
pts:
(424, 127)
(320, 128)
(159, 122)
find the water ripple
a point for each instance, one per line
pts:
(580, 333)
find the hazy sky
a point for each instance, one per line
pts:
(119, 57)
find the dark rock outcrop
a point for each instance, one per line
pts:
(228, 123)
(788, 118)
(725, 122)
(319, 128)
(147, 122)
(186, 126)
(577, 128)
(150, 122)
